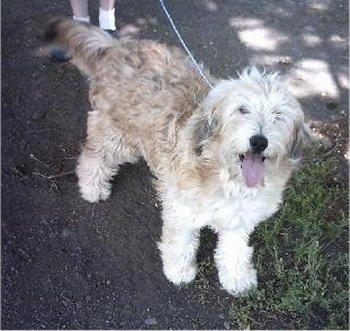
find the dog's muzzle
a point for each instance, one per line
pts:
(252, 161)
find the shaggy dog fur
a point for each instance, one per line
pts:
(221, 156)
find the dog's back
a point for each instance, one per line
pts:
(135, 77)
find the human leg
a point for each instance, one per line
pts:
(107, 15)
(80, 10)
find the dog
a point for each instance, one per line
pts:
(221, 156)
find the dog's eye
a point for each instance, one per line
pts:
(243, 110)
(277, 116)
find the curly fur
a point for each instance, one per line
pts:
(148, 101)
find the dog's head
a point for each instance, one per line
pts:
(252, 125)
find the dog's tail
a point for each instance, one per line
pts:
(83, 42)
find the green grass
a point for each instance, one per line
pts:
(301, 255)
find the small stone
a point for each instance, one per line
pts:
(326, 143)
(150, 321)
(285, 60)
(38, 115)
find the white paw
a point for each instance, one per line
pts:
(180, 274)
(94, 193)
(239, 281)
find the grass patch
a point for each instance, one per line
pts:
(301, 255)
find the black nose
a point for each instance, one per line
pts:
(258, 143)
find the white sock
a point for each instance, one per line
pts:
(107, 19)
(82, 19)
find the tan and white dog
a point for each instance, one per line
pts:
(221, 156)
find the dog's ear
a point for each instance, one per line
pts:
(202, 132)
(301, 138)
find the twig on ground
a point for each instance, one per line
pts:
(47, 177)
(92, 212)
(40, 130)
(62, 174)
(39, 174)
(331, 150)
(32, 156)
(53, 177)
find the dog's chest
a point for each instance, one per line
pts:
(240, 211)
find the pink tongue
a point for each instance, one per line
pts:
(252, 169)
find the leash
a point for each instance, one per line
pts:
(197, 66)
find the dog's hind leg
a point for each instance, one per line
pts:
(103, 152)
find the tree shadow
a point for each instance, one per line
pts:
(307, 42)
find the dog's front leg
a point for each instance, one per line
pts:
(178, 250)
(233, 260)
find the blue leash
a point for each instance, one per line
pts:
(197, 66)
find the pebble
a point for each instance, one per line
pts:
(227, 325)
(37, 115)
(150, 321)
(285, 60)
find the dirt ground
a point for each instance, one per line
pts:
(70, 264)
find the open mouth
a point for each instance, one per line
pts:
(241, 158)
(252, 165)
